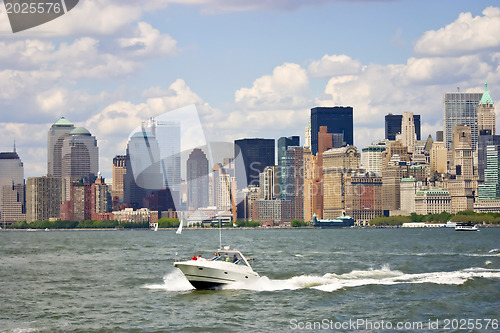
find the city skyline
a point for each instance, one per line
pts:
(252, 81)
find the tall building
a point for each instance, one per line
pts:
(13, 204)
(256, 155)
(118, 173)
(197, 179)
(373, 158)
(307, 135)
(408, 136)
(486, 112)
(363, 197)
(283, 144)
(391, 185)
(439, 158)
(43, 198)
(270, 187)
(490, 190)
(462, 152)
(57, 133)
(294, 182)
(393, 123)
(485, 139)
(79, 156)
(337, 119)
(223, 187)
(11, 172)
(460, 109)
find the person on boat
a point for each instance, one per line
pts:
(200, 258)
(227, 258)
(193, 257)
(235, 259)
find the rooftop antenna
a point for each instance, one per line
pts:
(458, 89)
(14, 145)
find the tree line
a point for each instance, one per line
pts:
(465, 216)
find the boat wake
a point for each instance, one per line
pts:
(330, 282)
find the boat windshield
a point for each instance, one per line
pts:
(229, 256)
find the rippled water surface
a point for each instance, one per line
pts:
(124, 281)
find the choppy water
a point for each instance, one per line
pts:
(337, 280)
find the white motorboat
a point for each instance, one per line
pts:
(468, 226)
(226, 267)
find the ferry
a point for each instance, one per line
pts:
(466, 226)
(340, 222)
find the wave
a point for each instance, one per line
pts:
(494, 250)
(330, 282)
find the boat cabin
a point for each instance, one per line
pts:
(234, 257)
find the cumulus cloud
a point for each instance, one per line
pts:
(287, 86)
(334, 65)
(465, 35)
(147, 42)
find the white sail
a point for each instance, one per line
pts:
(179, 230)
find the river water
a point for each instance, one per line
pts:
(311, 280)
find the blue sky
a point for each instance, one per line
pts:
(252, 68)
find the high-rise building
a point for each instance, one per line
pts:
(57, 133)
(79, 156)
(337, 119)
(408, 136)
(363, 197)
(269, 188)
(43, 198)
(393, 123)
(462, 152)
(256, 155)
(460, 109)
(439, 160)
(11, 171)
(223, 187)
(307, 135)
(490, 190)
(391, 184)
(294, 182)
(13, 204)
(118, 173)
(373, 158)
(486, 112)
(283, 144)
(197, 179)
(485, 139)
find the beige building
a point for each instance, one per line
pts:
(461, 193)
(391, 182)
(269, 186)
(439, 160)
(118, 173)
(43, 198)
(486, 113)
(408, 136)
(432, 202)
(408, 189)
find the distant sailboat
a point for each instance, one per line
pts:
(179, 230)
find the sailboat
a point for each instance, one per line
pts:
(179, 230)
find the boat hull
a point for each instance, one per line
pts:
(213, 275)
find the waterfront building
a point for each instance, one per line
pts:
(393, 126)
(78, 207)
(136, 216)
(256, 154)
(197, 179)
(293, 187)
(43, 198)
(433, 201)
(271, 211)
(283, 144)
(57, 133)
(462, 193)
(490, 190)
(118, 173)
(11, 174)
(270, 187)
(373, 158)
(13, 204)
(486, 112)
(391, 184)
(485, 139)
(408, 189)
(311, 187)
(460, 109)
(363, 197)
(79, 156)
(337, 119)
(101, 201)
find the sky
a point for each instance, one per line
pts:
(251, 68)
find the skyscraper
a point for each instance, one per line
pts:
(393, 124)
(119, 171)
(256, 155)
(491, 188)
(293, 188)
(337, 119)
(43, 198)
(12, 200)
(486, 112)
(79, 157)
(58, 131)
(283, 144)
(197, 179)
(408, 136)
(460, 109)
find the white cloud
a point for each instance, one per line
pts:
(286, 87)
(465, 35)
(334, 65)
(148, 41)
